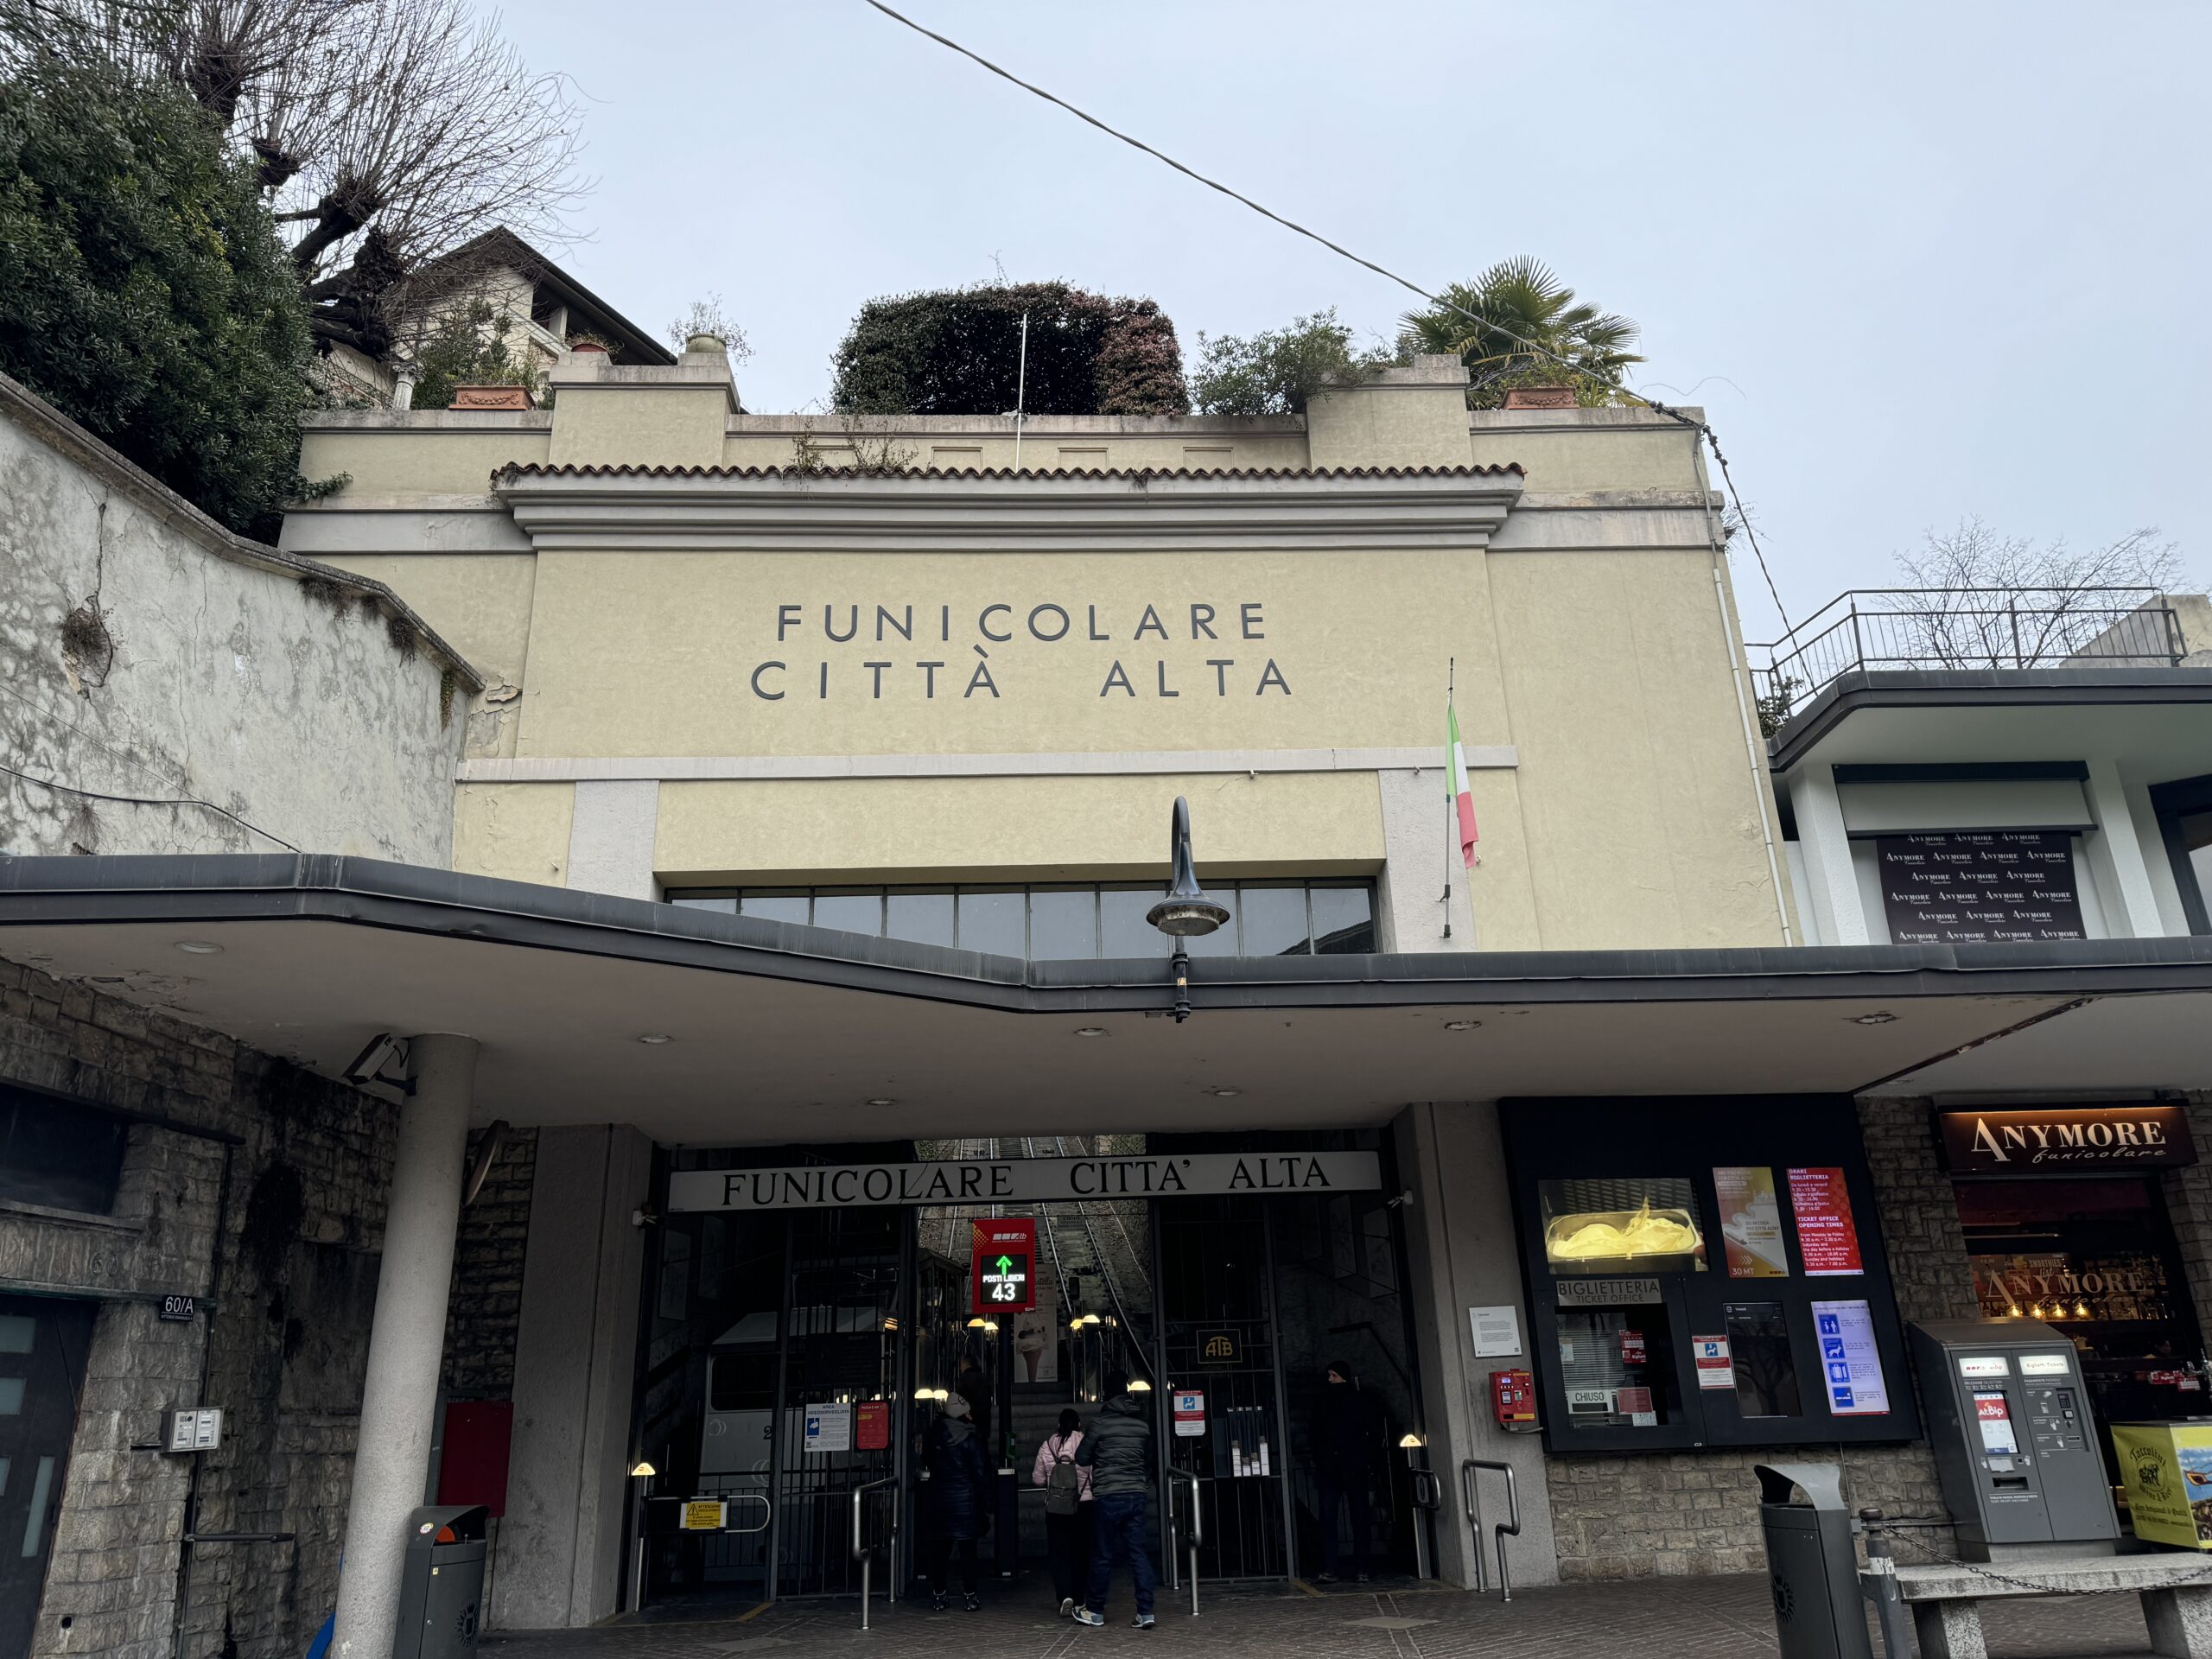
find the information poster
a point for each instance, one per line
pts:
(1827, 1239)
(1189, 1410)
(872, 1426)
(1751, 1222)
(1851, 1360)
(829, 1427)
(1498, 1330)
(1978, 888)
(1715, 1367)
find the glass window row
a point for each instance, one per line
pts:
(1062, 923)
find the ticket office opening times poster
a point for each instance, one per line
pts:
(1851, 1359)
(1828, 1237)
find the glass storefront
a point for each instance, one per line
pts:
(2093, 1256)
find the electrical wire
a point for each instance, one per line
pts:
(141, 800)
(1384, 271)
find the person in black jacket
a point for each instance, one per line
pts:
(1345, 1432)
(1117, 1449)
(959, 1477)
(975, 1388)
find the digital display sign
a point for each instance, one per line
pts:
(1003, 1279)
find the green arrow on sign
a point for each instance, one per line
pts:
(1006, 1265)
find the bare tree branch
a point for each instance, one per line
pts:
(388, 132)
(1981, 600)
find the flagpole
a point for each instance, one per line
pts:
(1451, 806)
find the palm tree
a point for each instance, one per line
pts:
(1522, 303)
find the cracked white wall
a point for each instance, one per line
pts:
(229, 683)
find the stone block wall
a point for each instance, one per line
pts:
(1673, 1514)
(2188, 1206)
(259, 1189)
(484, 1308)
(1693, 1512)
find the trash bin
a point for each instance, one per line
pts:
(1813, 1567)
(442, 1583)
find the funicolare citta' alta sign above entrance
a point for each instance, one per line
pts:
(1024, 1181)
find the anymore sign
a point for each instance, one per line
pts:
(1023, 1181)
(2065, 1138)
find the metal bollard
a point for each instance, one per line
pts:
(1880, 1587)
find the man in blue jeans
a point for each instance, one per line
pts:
(1117, 1449)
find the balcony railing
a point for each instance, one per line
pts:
(1908, 628)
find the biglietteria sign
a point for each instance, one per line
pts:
(1023, 1181)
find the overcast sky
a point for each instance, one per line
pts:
(1916, 262)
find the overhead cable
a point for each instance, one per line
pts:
(1384, 271)
(141, 800)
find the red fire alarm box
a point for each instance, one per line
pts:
(1513, 1397)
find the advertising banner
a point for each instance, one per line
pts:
(1751, 1222)
(1981, 888)
(2167, 1469)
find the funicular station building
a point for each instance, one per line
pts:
(810, 786)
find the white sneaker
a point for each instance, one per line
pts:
(1084, 1616)
(1067, 1606)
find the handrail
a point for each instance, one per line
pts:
(1197, 1531)
(866, 1556)
(1911, 629)
(1471, 1495)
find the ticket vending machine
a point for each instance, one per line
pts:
(2008, 1415)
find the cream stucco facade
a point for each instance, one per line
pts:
(947, 671)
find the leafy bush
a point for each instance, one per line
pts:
(144, 291)
(958, 351)
(468, 347)
(1276, 372)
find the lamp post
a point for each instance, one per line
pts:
(1185, 912)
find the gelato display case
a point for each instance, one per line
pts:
(1657, 1232)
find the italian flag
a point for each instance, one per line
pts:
(1462, 800)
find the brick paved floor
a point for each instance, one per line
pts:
(1660, 1619)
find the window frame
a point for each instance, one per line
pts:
(729, 900)
(2184, 798)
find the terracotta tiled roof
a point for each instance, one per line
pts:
(570, 469)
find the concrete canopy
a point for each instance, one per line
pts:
(782, 1033)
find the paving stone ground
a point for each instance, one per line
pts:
(1663, 1619)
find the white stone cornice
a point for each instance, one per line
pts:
(624, 511)
(698, 768)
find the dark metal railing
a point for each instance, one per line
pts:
(1912, 628)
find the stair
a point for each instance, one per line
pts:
(1037, 1407)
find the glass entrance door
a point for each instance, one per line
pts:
(1217, 1307)
(42, 1344)
(843, 1388)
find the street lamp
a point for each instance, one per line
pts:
(1185, 912)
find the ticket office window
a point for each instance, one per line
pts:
(1704, 1272)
